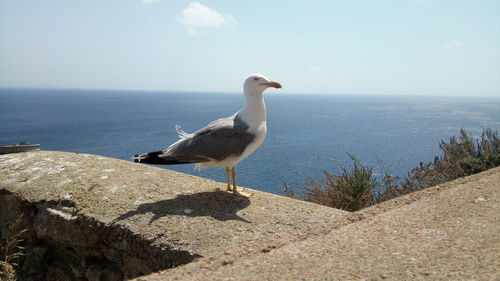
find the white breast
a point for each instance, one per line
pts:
(260, 132)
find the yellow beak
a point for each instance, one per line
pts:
(272, 84)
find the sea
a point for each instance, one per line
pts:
(307, 133)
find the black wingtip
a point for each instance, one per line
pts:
(153, 158)
(136, 158)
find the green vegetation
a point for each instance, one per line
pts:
(357, 188)
(351, 190)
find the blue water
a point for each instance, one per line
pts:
(306, 133)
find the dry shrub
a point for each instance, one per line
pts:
(357, 188)
(12, 250)
(462, 156)
(350, 191)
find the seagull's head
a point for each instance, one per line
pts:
(256, 84)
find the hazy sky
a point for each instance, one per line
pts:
(370, 47)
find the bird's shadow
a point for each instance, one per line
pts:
(219, 205)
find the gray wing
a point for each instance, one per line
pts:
(218, 140)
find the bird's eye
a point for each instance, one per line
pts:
(256, 79)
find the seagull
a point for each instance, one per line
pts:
(223, 142)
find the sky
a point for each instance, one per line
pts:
(395, 47)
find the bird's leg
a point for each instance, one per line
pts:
(228, 181)
(233, 173)
(235, 189)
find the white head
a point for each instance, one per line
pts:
(256, 84)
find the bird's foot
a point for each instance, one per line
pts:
(241, 193)
(229, 188)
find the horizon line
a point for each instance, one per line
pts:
(238, 92)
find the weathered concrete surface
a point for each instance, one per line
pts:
(448, 232)
(96, 218)
(114, 216)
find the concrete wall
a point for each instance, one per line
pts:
(96, 218)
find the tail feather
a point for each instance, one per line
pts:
(182, 134)
(156, 157)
